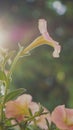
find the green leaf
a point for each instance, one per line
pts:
(30, 112)
(12, 95)
(29, 128)
(41, 109)
(53, 127)
(3, 76)
(47, 123)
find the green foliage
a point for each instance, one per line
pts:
(3, 76)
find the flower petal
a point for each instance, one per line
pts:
(34, 107)
(41, 122)
(57, 51)
(69, 113)
(59, 117)
(42, 26)
(12, 109)
(24, 99)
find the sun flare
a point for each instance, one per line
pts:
(3, 37)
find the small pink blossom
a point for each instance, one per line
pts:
(43, 30)
(63, 118)
(19, 108)
(34, 107)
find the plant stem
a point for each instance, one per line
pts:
(7, 84)
(3, 104)
(14, 62)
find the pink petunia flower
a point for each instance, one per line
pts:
(63, 118)
(19, 108)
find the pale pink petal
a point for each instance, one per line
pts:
(13, 110)
(59, 117)
(20, 118)
(69, 113)
(34, 107)
(13, 122)
(48, 116)
(57, 51)
(42, 26)
(41, 122)
(24, 99)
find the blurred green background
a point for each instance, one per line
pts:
(49, 80)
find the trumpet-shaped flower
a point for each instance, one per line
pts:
(43, 39)
(63, 118)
